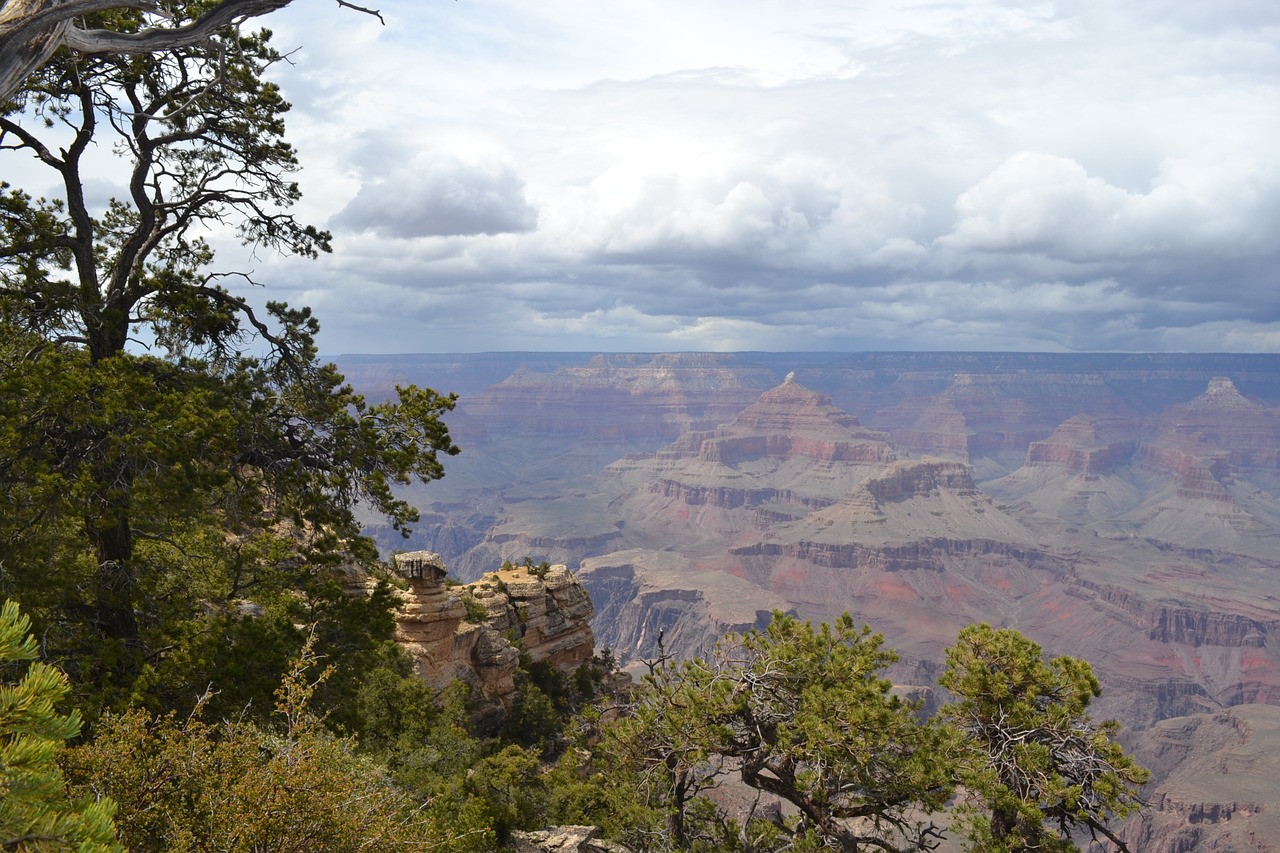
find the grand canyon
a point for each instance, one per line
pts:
(1124, 509)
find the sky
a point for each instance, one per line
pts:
(678, 175)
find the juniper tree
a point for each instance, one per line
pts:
(1036, 769)
(800, 713)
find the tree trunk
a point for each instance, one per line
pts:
(26, 41)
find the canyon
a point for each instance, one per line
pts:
(1124, 509)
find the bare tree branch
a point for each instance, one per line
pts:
(31, 30)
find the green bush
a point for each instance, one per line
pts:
(476, 612)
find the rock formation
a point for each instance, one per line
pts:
(545, 614)
(1120, 508)
(1215, 783)
(565, 839)
(628, 398)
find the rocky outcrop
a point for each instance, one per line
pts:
(565, 839)
(547, 611)
(475, 633)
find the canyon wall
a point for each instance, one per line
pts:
(1120, 508)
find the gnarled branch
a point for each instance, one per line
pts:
(31, 30)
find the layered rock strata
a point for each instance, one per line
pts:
(475, 633)
(1215, 783)
(616, 398)
(791, 446)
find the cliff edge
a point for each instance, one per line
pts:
(476, 632)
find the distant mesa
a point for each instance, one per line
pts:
(1085, 446)
(1222, 394)
(791, 420)
(792, 445)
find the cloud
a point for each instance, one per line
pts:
(1047, 205)
(895, 175)
(441, 197)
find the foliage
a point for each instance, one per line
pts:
(476, 789)
(475, 612)
(148, 503)
(799, 713)
(547, 701)
(145, 502)
(1035, 769)
(203, 131)
(535, 719)
(657, 759)
(187, 785)
(35, 813)
(816, 725)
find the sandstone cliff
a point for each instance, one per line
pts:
(510, 611)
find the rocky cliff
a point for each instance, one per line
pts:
(1215, 783)
(1123, 509)
(631, 398)
(476, 633)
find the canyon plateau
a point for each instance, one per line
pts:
(1124, 509)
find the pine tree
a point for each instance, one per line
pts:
(35, 813)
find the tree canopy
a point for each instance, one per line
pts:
(147, 497)
(1035, 768)
(804, 714)
(800, 713)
